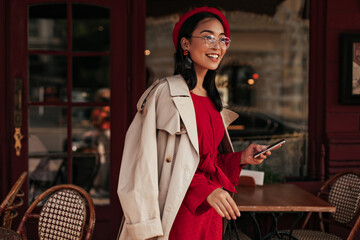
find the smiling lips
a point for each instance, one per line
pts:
(214, 56)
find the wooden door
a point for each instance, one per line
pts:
(72, 89)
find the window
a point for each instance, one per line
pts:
(263, 77)
(69, 98)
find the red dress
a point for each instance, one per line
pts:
(196, 219)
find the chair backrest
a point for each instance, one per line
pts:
(247, 181)
(85, 169)
(12, 201)
(343, 192)
(63, 215)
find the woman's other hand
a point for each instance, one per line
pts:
(251, 150)
(223, 204)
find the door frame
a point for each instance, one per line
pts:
(131, 68)
(4, 135)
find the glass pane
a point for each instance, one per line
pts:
(47, 78)
(47, 148)
(263, 77)
(356, 69)
(47, 27)
(91, 28)
(91, 150)
(89, 75)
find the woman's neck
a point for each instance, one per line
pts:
(199, 88)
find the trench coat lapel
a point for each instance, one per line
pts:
(228, 116)
(187, 114)
(180, 94)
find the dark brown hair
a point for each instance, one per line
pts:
(189, 74)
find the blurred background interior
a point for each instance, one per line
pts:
(263, 76)
(72, 72)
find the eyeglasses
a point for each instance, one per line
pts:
(211, 41)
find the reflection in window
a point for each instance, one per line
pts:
(47, 27)
(91, 148)
(236, 84)
(69, 149)
(47, 78)
(90, 74)
(263, 77)
(47, 138)
(91, 28)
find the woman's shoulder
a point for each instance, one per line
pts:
(160, 90)
(175, 84)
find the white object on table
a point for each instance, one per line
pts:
(257, 175)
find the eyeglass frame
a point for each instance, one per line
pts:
(214, 41)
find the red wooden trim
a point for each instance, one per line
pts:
(120, 60)
(93, 2)
(69, 88)
(137, 28)
(316, 166)
(17, 68)
(76, 104)
(53, 52)
(4, 178)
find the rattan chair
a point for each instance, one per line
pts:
(343, 192)
(63, 215)
(12, 201)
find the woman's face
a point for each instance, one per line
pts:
(203, 55)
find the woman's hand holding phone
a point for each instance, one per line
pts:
(271, 147)
(256, 154)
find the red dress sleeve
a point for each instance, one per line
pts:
(201, 186)
(230, 165)
(214, 170)
(199, 189)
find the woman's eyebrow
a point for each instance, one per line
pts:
(209, 31)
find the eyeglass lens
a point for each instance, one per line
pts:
(223, 42)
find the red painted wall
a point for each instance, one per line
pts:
(342, 122)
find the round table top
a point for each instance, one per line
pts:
(8, 234)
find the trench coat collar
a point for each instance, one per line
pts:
(180, 94)
(178, 87)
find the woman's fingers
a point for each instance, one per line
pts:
(228, 203)
(230, 207)
(224, 210)
(218, 210)
(233, 206)
(223, 204)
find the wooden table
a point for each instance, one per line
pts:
(278, 199)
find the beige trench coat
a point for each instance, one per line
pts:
(160, 157)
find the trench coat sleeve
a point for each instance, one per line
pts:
(138, 179)
(230, 165)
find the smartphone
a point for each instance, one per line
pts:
(270, 147)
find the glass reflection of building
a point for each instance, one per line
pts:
(275, 48)
(69, 97)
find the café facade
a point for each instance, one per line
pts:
(71, 73)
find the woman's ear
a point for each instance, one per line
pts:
(184, 42)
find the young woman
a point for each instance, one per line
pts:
(178, 162)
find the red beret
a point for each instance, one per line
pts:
(184, 17)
